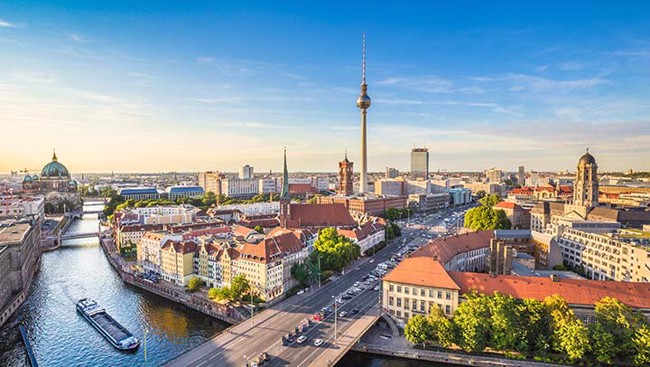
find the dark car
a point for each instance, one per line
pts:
(355, 311)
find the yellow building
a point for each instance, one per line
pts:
(177, 264)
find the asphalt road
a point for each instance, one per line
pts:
(245, 341)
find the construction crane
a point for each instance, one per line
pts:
(27, 171)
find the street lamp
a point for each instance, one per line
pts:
(336, 314)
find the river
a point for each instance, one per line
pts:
(60, 337)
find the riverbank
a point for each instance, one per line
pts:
(170, 292)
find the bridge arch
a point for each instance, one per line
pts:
(391, 324)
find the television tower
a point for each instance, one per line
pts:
(363, 103)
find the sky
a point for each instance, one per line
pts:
(151, 86)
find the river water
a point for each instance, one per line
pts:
(61, 337)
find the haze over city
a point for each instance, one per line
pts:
(153, 86)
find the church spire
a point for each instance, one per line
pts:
(285, 178)
(54, 159)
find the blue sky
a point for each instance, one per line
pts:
(202, 85)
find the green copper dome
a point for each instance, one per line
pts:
(54, 169)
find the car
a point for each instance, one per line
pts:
(343, 313)
(301, 339)
(356, 284)
(318, 342)
(264, 357)
(300, 292)
(376, 288)
(339, 301)
(355, 311)
(318, 317)
(372, 261)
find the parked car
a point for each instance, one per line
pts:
(343, 313)
(318, 342)
(301, 339)
(355, 311)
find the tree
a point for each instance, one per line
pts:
(440, 328)
(641, 345)
(335, 251)
(416, 330)
(239, 287)
(220, 294)
(535, 325)
(504, 322)
(486, 218)
(490, 200)
(301, 273)
(194, 284)
(259, 229)
(568, 334)
(614, 329)
(471, 319)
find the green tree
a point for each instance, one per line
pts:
(239, 287)
(220, 294)
(440, 328)
(641, 345)
(259, 229)
(396, 229)
(486, 218)
(471, 320)
(568, 334)
(534, 325)
(416, 330)
(504, 323)
(194, 284)
(614, 329)
(335, 251)
(301, 273)
(480, 194)
(490, 200)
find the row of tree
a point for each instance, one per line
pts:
(544, 330)
(397, 214)
(236, 292)
(485, 217)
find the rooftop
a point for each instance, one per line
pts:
(421, 271)
(445, 248)
(13, 233)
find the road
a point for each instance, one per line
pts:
(245, 341)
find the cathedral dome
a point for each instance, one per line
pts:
(587, 159)
(54, 169)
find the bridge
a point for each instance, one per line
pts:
(74, 236)
(241, 343)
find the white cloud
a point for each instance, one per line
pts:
(204, 60)
(35, 77)
(6, 24)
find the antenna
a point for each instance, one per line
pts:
(363, 60)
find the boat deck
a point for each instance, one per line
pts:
(111, 327)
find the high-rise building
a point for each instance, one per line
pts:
(346, 177)
(363, 103)
(521, 176)
(391, 172)
(585, 192)
(246, 171)
(210, 181)
(494, 175)
(420, 163)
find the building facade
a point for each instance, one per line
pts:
(346, 178)
(420, 163)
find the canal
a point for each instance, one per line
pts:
(60, 337)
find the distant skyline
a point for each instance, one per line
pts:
(154, 86)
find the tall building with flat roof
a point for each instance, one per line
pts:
(246, 171)
(420, 163)
(391, 172)
(521, 176)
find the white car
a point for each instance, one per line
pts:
(372, 261)
(301, 339)
(376, 288)
(343, 313)
(318, 342)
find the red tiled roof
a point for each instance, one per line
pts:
(421, 271)
(277, 243)
(320, 215)
(182, 247)
(445, 248)
(301, 188)
(575, 291)
(506, 205)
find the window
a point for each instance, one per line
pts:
(414, 305)
(422, 304)
(406, 290)
(390, 288)
(406, 303)
(399, 313)
(399, 289)
(447, 295)
(390, 301)
(399, 302)
(430, 293)
(406, 315)
(448, 309)
(422, 292)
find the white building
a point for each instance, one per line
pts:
(268, 185)
(239, 187)
(254, 208)
(246, 172)
(20, 207)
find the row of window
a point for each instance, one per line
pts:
(423, 292)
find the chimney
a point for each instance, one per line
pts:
(555, 278)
